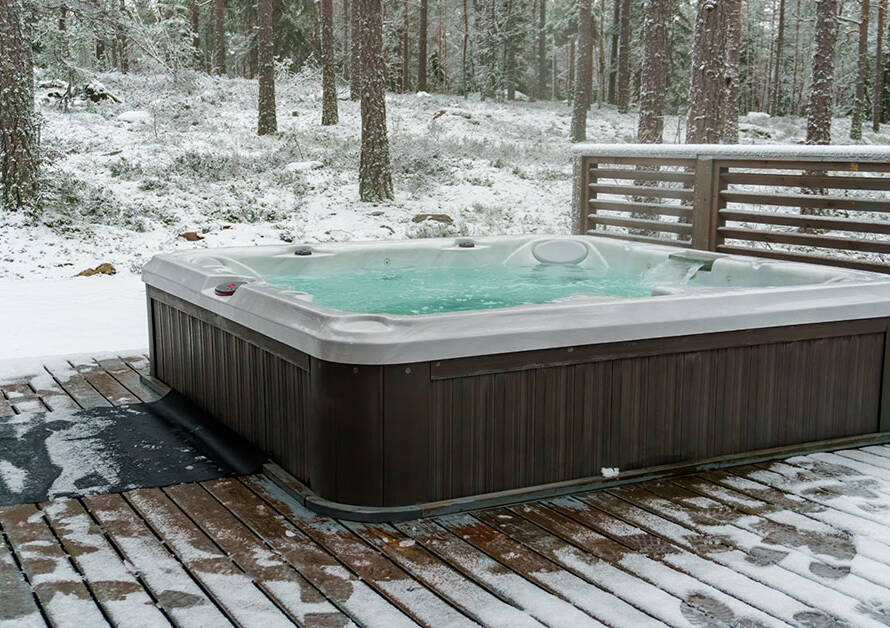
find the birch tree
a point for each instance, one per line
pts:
(18, 128)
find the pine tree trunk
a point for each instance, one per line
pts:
(542, 50)
(266, 120)
(654, 71)
(624, 58)
(19, 159)
(345, 58)
(706, 93)
(794, 74)
(355, 64)
(405, 50)
(219, 32)
(877, 110)
(509, 39)
(374, 175)
(195, 27)
(421, 48)
(776, 103)
(819, 109)
(123, 54)
(328, 63)
(463, 58)
(583, 79)
(861, 71)
(613, 52)
(486, 49)
(733, 20)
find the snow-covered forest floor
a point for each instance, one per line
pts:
(125, 179)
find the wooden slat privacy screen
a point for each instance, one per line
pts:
(819, 204)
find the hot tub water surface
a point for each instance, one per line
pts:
(439, 289)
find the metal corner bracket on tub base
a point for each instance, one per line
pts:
(390, 514)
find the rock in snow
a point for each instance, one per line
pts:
(101, 269)
(134, 116)
(302, 166)
(443, 218)
(191, 236)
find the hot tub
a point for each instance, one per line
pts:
(388, 379)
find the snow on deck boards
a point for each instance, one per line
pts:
(804, 541)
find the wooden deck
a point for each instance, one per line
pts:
(801, 542)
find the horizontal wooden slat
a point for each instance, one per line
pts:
(805, 239)
(805, 200)
(807, 181)
(813, 222)
(634, 223)
(641, 208)
(636, 238)
(783, 164)
(642, 161)
(805, 257)
(642, 191)
(641, 175)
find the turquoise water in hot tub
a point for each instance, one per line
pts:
(414, 291)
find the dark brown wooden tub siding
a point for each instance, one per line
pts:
(412, 433)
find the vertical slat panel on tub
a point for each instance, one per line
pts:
(884, 419)
(345, 432)
(253, 391)
(591, 426)
(407, 399)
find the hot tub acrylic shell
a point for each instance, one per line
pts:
(373, 411)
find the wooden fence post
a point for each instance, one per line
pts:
(580, 195)
(703, 206)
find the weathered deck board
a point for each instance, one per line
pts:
(765, 564)
(231, 589)
(104, 382)
(805, 541)
(714, 576)
(278, 580)
(74, 384)
(343, 588)
(528, 594)
(545, 573)
(468, 596)
(585, 557)
(60, 589)
(170, 584)
(19, 607)
(115, 588)
(127, 377)
(416, 600)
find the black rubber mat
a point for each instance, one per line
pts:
(102, 450)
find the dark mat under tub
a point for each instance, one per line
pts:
(45, 455)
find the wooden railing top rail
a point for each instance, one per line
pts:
(784, 152)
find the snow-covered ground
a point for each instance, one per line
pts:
(128, 178)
